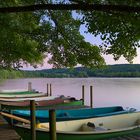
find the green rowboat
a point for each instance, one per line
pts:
(19, 93)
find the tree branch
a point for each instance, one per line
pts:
(85, 7)
(78, 2)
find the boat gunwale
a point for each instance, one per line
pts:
(40, 97)
(73, 117)
(82, 132)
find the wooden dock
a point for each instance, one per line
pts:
(132, 137)
(8, 133)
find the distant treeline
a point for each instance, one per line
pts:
(122, 70)
(10, 74)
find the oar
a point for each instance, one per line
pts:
(15, 117)
(38, 125)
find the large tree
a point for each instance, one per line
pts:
(28, 37)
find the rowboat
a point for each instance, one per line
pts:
(12, 90)
(40, 98)
(19, 93)
(40, 102)
(72, 114)
(20, 99)
(87, 129)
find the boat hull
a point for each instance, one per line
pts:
(39, 104)
(20, 94)
(67, 115)
(73, 114)
(25, 133)
(87, 129)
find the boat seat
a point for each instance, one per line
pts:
(137, 122)
(84, 127)
(91, 127)
(88, 127)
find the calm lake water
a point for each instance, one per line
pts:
(106, 91)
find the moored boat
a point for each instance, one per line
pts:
(72, 114)
(87, 129)
(12, 90)
(19, 93)
(40, 102)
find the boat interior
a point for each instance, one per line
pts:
(115, 122)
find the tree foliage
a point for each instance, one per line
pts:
(29, 37)
(119, 31)
(16, 43)
(64, 42)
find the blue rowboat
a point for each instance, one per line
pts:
(74, 114)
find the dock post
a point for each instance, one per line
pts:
(47, 90)
(50, 89)
(83, 94)
(91, 97)
(11, 120)
(29, 86)
(52, 124)
(33, 120)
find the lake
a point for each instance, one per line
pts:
(106, 91)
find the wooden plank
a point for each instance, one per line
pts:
(6, 131)
(132, 137)
(15, 117)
